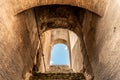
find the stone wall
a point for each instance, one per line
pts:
(77, 58)
(103, 42)
(19, 37)
(18, 42)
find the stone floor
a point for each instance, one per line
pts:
(58, 73)
(58, 76)
(59, 69)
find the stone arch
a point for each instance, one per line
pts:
(78, 52)
(91, 5)
(46, 20)
(62, 41)
(63, 54)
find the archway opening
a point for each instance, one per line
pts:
(59, 55)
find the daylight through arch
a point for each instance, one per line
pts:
(59, 55)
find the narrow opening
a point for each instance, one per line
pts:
(59, 55)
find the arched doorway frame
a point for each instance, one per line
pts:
(62, 42)
(72, 25)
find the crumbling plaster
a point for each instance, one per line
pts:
(19, 37)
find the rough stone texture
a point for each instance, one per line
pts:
(19, 38)
(103, 42)
(77, 58)
(57, 76)
(96, 6)
(51, 17)
(60, 69)
(18, 42)
(54, 36)
(28, 38)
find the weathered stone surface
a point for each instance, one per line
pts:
(57, 76)
(19, 38)
(54, 24)
(59, 69)
(18, 42)
(96, 6)
(103, 42)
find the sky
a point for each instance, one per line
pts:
(59, 55)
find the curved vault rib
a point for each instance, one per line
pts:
(96, 6)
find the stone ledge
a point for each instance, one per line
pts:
(57, 76)
(59, 69)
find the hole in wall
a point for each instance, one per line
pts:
(59, 55)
